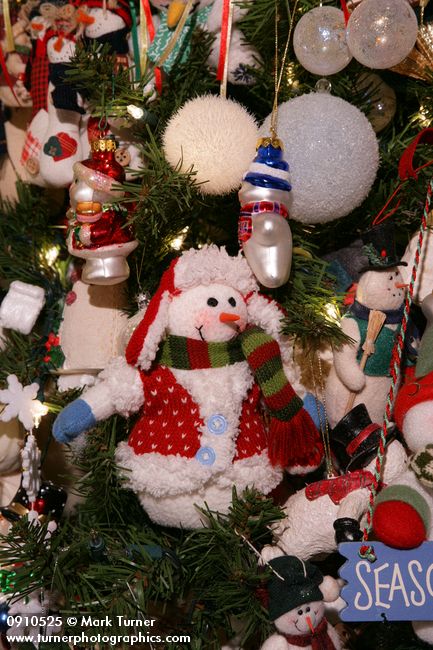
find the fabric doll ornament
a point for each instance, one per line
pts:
(98, 232)
(380, 287)
(297, 609)
(206, 15)
(328, 512)
(108, 23)
(205, 354)
(55, 132)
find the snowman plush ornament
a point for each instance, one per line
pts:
(297, 591)
(205, 354)
(328, 512)
(380, 287)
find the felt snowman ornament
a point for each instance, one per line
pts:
(205, 354)
(15, 96)
(380, 287)
(206, 15)
(328, 512)
(108, 23)
(55, 132)
(98, 231)
(297, 593)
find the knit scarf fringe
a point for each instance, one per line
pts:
(293, 439)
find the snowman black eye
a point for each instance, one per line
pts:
(300, 612)
(232, 302)
(212, 302)
(307, 609)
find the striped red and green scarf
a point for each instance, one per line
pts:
(293, 437)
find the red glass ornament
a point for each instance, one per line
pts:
(39, 505)
(102, 159)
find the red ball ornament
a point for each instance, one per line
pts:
(102, 159)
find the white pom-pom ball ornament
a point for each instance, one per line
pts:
(319, 41)
(381, 33)
(333, 155)
(214, 136)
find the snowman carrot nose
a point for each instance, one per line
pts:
(309, 623)
(228, 318)
(401, 285)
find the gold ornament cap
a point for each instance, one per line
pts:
(270, 140)
(104, 144)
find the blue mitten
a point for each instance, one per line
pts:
(76, 418)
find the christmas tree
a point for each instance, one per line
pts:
(156, 135)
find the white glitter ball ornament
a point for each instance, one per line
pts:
(319, 41)
(381, 33)
(216, 137)
(333, 155)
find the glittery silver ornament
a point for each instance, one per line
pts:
(319, 41)
(381, 33)
(333, 153)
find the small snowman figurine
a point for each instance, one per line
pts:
(297, 591)
(381, 287)
(264, 231)
(98, 232)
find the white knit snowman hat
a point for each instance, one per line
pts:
(196, 267)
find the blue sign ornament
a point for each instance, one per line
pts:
(397, 586)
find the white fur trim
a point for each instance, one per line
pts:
(125, 386)
(118, 390)
(155, 334)
(169, 487)
(211, 264)
(266, 314)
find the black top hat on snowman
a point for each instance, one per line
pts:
(379, 247)
(355, 439)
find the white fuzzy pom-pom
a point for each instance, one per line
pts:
(216, 137)
(333, 155)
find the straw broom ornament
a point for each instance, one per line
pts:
(376, 320)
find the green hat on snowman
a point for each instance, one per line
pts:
(293, 583)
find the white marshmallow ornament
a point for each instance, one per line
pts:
(296, 607)
(213, 137)
(381, 287)
(21, 306)
(190, 371)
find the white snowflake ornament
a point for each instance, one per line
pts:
(21, 403)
